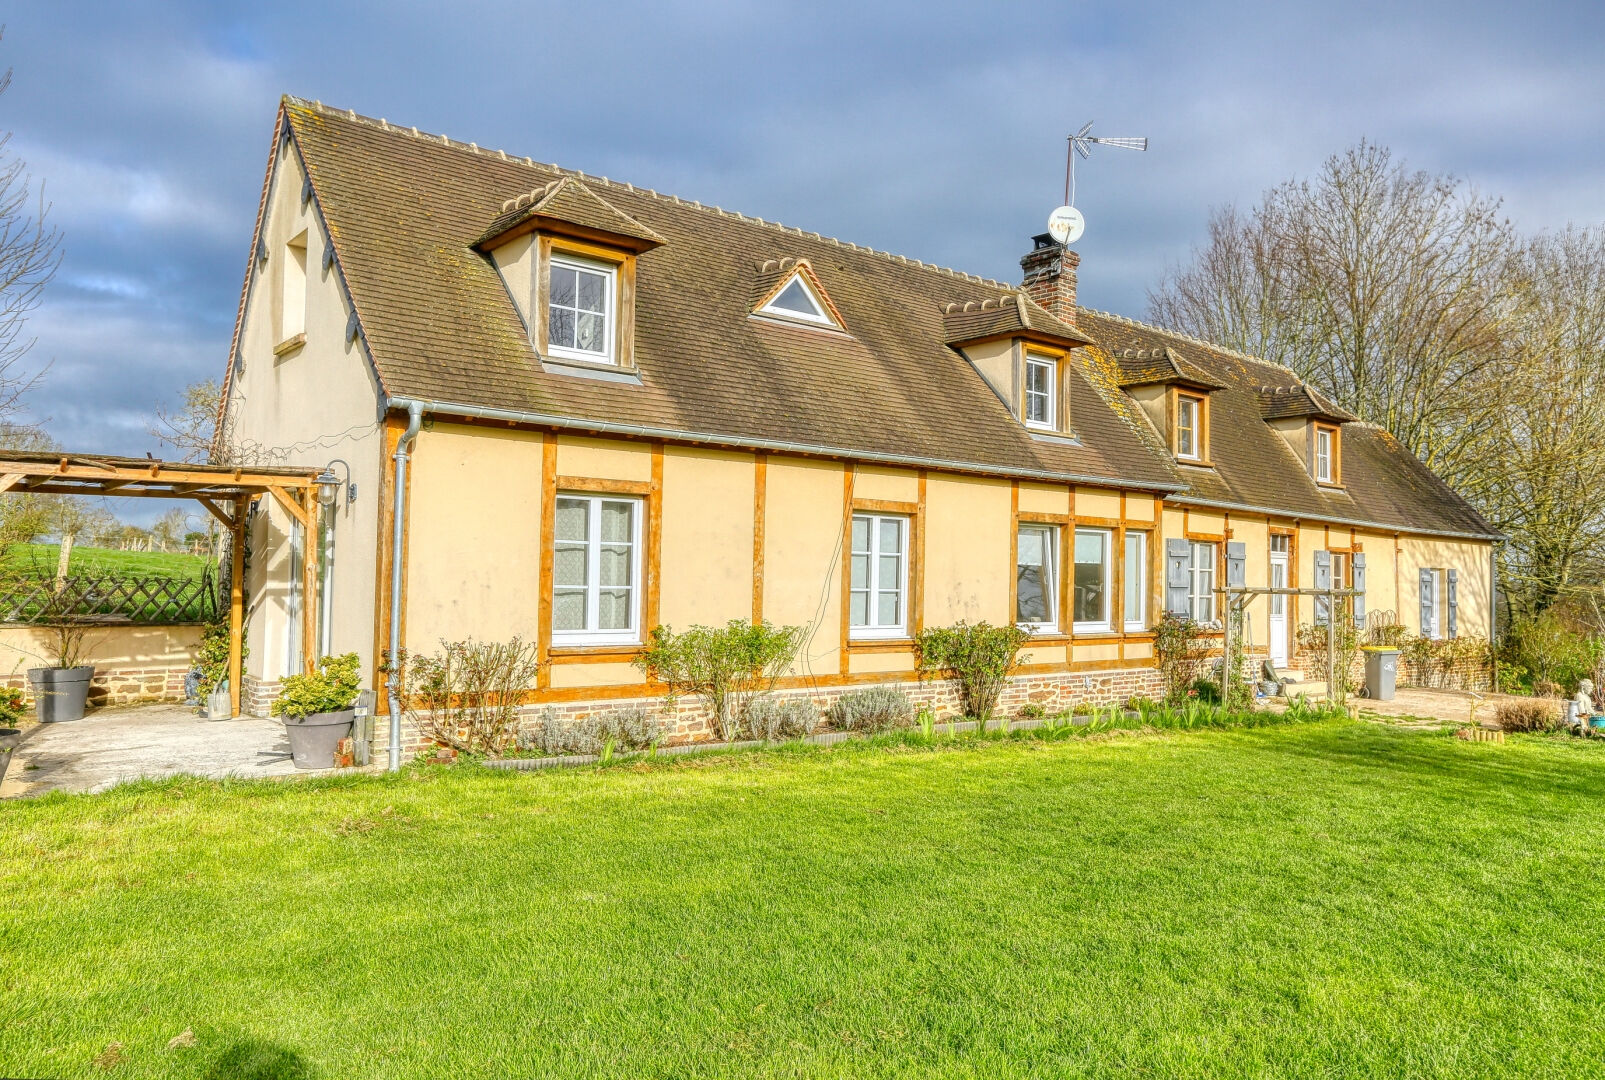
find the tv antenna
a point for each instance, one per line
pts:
(1066, 223)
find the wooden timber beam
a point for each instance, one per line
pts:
(236, 605)
(292, 506)
(9, 481)
(216, 511)
(309, 581)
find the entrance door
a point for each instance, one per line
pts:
(1278, 619)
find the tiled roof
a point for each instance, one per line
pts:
(404, 212)
(1253, 466)
(1013, 315)
(1285, 402)
(568, 200)
(1144, 367)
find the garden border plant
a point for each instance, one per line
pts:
(976, 658)
(728, 667)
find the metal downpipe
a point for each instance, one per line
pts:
(415, 417)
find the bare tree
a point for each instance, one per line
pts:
(190, 428)
(1388, 288)
(30, 252)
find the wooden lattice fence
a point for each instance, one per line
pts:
(110, 597)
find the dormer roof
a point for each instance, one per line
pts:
(567, 206)
(775, 276)
(1289, 402)
(1013, 316)
(1149, 367)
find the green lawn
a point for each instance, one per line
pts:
(42, 558)
(1322, 900)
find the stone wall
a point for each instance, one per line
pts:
(133, 664)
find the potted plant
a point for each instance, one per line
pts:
(61, 691)
(318, 709)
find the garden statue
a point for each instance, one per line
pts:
(1583, 703)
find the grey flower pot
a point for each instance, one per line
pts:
(60, 694)
(313, 738)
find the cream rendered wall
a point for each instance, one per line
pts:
(307, 407)
(604, 459)
(515, 261)
(1044, 498)
(1295, 433)
(1140, 507)
(1097, 503)
(891, 485)
(125, 646)
(1473, 589)
(1254, 535)
(803, 555)
(473, 536)
(998, 363)
(967, 544)
(707, 537)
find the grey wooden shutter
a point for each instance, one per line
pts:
(1177, 558)
(1454, 602)
(1323, 580)
(1426, 603)
(1358, 565)
(1236, 565)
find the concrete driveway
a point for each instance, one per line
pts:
(111, 746)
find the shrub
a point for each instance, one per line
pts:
(878, 708)
(1032, 711)
(13, 705)
(1533, 714)
(622, 729)
(1387, 634)
(779, 719)
(976, 659)
(726, 667)
(467, 695)
(1312, 640)
(331, 688)
(1554, 648)
(1179, 655)
(212, 657)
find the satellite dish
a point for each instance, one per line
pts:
(1066, 225)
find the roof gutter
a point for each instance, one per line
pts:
(518, 416)
(415, 419)
(1326, 519)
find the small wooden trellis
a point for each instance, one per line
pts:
(110, 597)
(1239, 597)
(225, 491)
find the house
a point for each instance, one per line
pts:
(613, 409)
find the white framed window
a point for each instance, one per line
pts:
(798, 301)
(1201, 583)
(878, 589)
(1092, 581)
(1041, 377)
(580, 312)
(596, 570)
(1036, 577)
(1135, 581)
(1189, 410)
(1323, 455)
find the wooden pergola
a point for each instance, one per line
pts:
(226, 491)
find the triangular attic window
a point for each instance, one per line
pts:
(797, 301)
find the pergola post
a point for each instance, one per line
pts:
(236, 604)
(309, 580)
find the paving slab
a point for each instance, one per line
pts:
(113, 746)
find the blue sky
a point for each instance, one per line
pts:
(931, 129)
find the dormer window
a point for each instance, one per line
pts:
(1324, 457)
(1190, 426)
(580, 309)
(797, 301)
(1041, 385)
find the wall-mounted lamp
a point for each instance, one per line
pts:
(329, 482)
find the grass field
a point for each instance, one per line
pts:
(1318, 900)
(42, 558)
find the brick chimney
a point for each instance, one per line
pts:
(1050, 276)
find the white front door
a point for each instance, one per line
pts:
(1278, 619)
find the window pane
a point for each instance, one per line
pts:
(859, 615)
(860, 534)
(1031, 541)
(1091, 580)
(1031, 595)
(1136, 579)
(613, 609)
(860, 572)
(616, 517)
(593, 292)
(794, 297)
(1034, 576)
(591, 333)
(568, 610)
(560, 328)
(891, 536)
(568, 566)
(887, 610)
(615, 565)
(891, 577)
(573, 519)
(564, 285)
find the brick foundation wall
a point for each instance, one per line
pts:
(257, 696)
(122, 685)
(687, 721)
